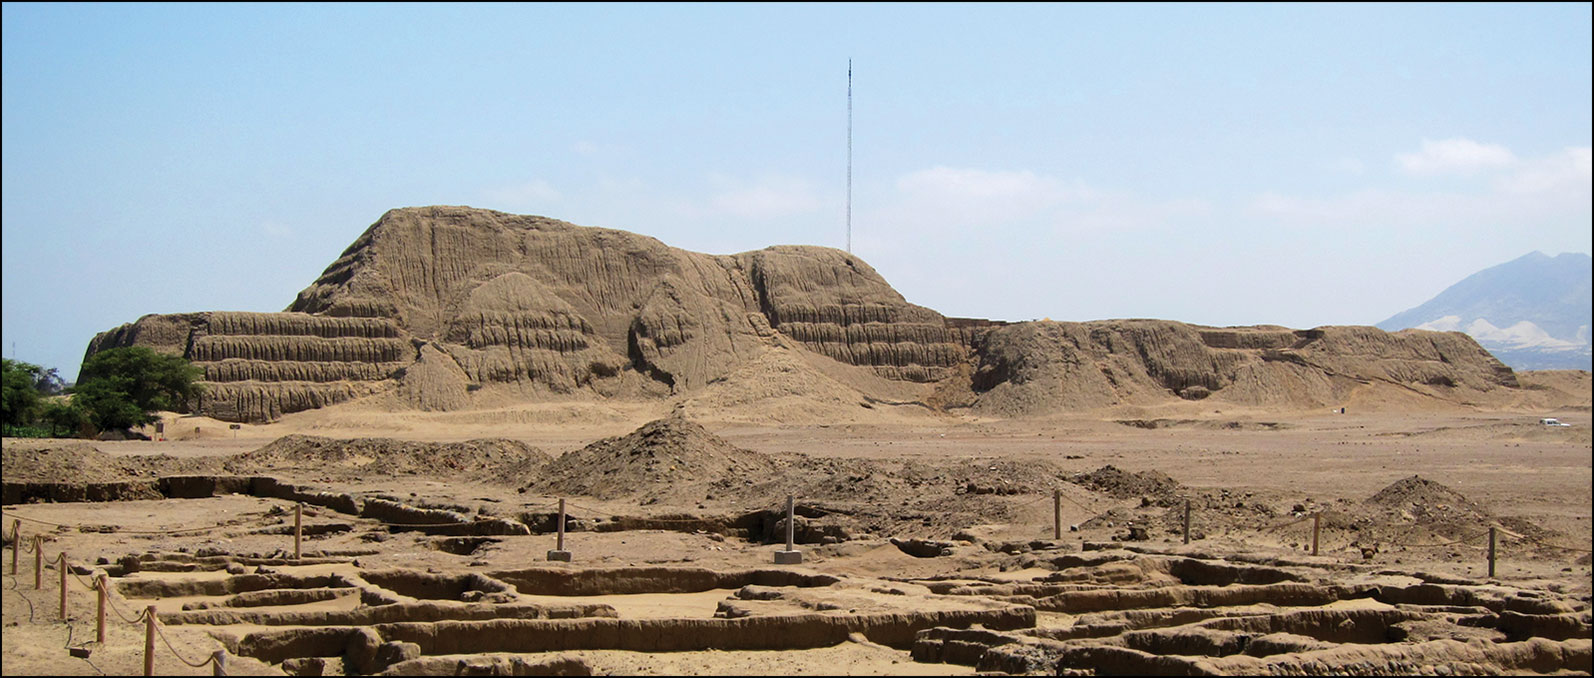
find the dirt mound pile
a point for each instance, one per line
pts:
(492, 460)
(61, 463)
(1416, 502)
(1420, 493)
(676, 462)
(670, 460)
(1120, 484)
(55, 461)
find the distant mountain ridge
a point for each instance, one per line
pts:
(1533, 312)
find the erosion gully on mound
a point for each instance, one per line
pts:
(419, 557)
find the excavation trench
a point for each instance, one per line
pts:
(784, 632)
(408, 614)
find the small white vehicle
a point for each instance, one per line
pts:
(1553, 422)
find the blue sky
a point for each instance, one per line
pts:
(1216, 164)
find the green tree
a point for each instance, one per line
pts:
(121, 388)
(20, 397)
(65, 416)
(49, 382)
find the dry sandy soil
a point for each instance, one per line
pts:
(675, 530)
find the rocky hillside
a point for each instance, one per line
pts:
(1533, 312)
(435, 307)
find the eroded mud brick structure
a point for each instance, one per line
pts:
(438, 306)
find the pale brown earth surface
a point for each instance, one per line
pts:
(676, 519)
(432, 397)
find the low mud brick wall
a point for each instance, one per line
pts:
(782, 632)
(23, 493)
(265, 486)
(622, 580)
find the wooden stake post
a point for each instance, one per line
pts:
(1187, 521)
(1057, 514)
(99, 626)
(62, 567)
(16, 543)
(149, 640)
(298, 530)
(1317, 524)
(1491, 550)
(38, 562)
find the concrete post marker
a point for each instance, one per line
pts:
(559, 553)
(790, 556)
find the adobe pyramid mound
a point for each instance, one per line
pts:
(437, 308)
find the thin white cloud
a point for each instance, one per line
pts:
(1567, 171)
(1549, 189)
(276, 230)
(1454, 156)
(975, 184)
(1125, 212)
(532, 194)
(767, 198)
(1348, 165)
(953, 198)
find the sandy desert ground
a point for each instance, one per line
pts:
(927, 544)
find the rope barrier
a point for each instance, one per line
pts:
(1462, 541)
(1297, 521)
(69, 632)
(1071, 501)
(162, 633)
(231, 523)
(31, 520)
(1541, 542)
(79, 579)
(591, 510)
(111, 602)
(1030, 503)
(16, 587)
(473, 522)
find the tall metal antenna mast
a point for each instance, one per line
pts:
(849, 156)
